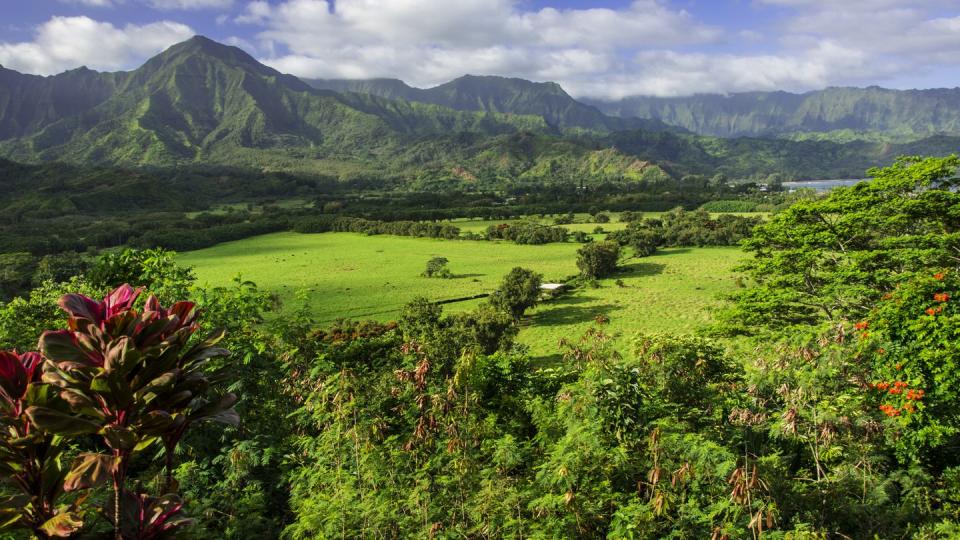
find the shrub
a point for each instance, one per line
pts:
(437, 268)
(519, 291)
(598, 259)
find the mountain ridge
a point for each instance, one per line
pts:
(838, 113)
(203, 102)
(497, 94)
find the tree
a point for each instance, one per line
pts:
(518, 292)
(832, 258)
(437, 268)
(598, 259)
(642, 237)
(565, 219)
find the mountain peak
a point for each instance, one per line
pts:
(203, 45)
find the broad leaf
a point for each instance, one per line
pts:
(89, 470)
(59, 423)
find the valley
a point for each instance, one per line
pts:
(308, 280)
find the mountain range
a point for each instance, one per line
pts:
(840, 114)
(202, 102)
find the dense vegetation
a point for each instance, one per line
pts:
(201, 102)
(840, 114)
(138, 402)
(832, 415)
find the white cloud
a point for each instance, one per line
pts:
(165, 5)
(190, 4)
(67, 42)
(427, 42)
(91, 3)
(647, 47)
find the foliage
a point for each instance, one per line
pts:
(437, 268)
(36, 478)
(518, 292)
(128, 376)
(527, 232)
(832, 258)
(908, 338)
(598, 259)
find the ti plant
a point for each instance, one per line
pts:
(31, 459)
(151, 518)
(135, 378)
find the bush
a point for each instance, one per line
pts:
(598, 259)
(519, 291)
(437, 268)
(729, 206)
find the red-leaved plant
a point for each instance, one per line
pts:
(30, 459)
(132, 376)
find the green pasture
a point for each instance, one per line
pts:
(371, 277)
(355, 276)
(671, 291)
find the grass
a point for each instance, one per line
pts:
(671, 291)
(356, 276)
(371, 277)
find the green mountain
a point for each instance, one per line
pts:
(28, 103)
(204, 101)
(497, 94)
(839, 114)
(740, 157)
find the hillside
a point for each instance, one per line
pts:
(203, 101)
(840, 114)
(29, 103)
(497, 94)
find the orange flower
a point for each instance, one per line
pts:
(931, 312)
(889, 410)
(939, 276)
(899, 367)
(881, 351)
(941, 297)
(865, 335)
(862, 325)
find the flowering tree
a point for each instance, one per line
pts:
(910, 341)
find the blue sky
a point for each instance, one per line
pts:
(604, 48)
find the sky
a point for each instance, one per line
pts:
(604, 49)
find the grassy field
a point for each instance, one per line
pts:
(671, 291)
(355, 276)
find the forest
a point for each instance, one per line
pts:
(819, 401)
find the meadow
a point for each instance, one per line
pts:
(347, 275)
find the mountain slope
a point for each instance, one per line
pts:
(28, 103)
(834, 113)
(201, 100)
(497, 94)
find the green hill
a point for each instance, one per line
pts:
(498, 94)
(203, 101)
(840, 114)
(29, 103)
